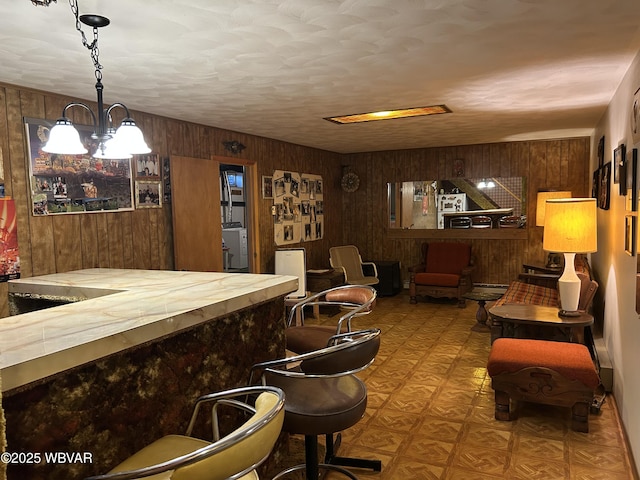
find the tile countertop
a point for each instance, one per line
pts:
(124, 308)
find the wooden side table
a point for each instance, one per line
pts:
(539, 268)
(320, 280)
(482, 298)
(537, 316)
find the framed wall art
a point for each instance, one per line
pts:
(9, 254)
(631, 171)
(635, 116)
(604, 194)
(630, 233)
(267, 187)
(166, 180)
(601, 152)
(618, 162)
(148, 194)
(61, 184)
(148, 166)
(595, 185)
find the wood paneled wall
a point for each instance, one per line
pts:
(554, 164)
(142, 238)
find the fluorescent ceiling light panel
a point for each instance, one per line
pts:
(390, 114)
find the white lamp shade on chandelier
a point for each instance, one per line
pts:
(64, 139)
(111, 149)
(570, 227)
(130, 137)
(122, 143)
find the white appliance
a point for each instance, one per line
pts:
(450, 202)
(232, 206)
(235, 239)
(292, 261)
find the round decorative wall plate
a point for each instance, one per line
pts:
(350, 182)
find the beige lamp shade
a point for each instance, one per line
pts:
(570, 225)
(541, 201)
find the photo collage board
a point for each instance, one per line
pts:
(62, 184)
(298, 207)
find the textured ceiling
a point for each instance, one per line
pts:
(509, 69)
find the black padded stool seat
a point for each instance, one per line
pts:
(480, 221)
(307, 338)
(324, 405)
(359, 300)
(324, 396)
(460, 222)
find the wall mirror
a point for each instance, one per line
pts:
(459, 203)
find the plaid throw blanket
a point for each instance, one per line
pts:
(520, 292)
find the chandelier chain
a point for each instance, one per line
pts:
(93, 46)
(64, 137)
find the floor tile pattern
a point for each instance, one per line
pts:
(430, 413)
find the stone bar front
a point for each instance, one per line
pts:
(101, 377)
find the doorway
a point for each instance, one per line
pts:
(233, 211)
(238, 195)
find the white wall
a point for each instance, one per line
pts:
(615, 270)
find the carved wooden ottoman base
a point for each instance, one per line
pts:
(540, 371)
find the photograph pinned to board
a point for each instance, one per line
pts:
(62, 184)
(287, 207)
(312, 195)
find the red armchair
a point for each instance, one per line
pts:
(445, 271)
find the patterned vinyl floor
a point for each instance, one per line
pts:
(431, 409)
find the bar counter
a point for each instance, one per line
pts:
(122, 363)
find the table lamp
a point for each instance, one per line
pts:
(570, 227)
(553, 259)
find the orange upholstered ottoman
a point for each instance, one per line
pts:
(540, 371)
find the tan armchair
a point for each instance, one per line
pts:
(445, 271)
(347, 258)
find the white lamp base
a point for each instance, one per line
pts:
(569, 287)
